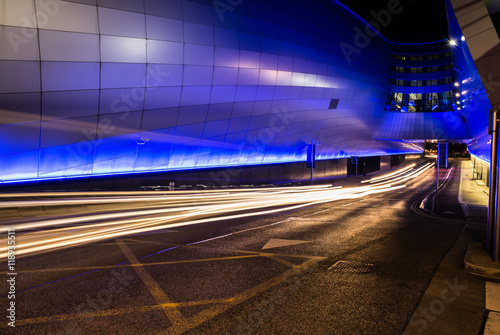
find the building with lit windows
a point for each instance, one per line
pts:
(124, 87)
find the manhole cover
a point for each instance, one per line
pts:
(351, 267)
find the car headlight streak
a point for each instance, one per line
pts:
(182, 209)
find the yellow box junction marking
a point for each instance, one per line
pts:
(172, 313)
(180, 323)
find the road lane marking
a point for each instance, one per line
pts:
(227, 250)
(324, 210)
(102, 267)
(281, 260)
(212, 312)
(210, 239)
(260, 227)
(221, 304)
(278, 242)
(172, 313)
(352, 203)
(114, 312)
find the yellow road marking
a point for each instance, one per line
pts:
(223, 250)
(134, 265)
(212, 312)
(113, 312)
(161, 298)
(222, 305)
(282, 261)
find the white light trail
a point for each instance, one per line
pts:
(389, 174)
(178, 210)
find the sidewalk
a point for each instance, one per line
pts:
(473, 194)
(464, 294)
(473, 197)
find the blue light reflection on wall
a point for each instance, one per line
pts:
(253, 87)
(475, 102)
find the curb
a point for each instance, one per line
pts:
(478, 262)
(425, 205)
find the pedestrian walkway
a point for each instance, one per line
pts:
(458, 301)
(473, 194)
(474, 198)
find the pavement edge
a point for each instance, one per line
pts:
(477, 261)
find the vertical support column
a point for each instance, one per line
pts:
(354, 161)
(437, 168)
(443, 154)
(496, 247)
(494, 225)
(441, 159)
(311, 159)
(493, 131)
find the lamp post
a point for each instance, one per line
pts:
(493, 131)
(493, 233)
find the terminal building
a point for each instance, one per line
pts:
(231, 92)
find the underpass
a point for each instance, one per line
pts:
(212, 266)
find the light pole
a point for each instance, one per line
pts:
(493, 131)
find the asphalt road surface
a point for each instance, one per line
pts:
(351, 260)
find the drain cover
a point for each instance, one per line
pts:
(351, 267)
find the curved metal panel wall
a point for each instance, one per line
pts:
(111, 86)
(475, 96)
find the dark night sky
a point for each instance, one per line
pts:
(419, 21)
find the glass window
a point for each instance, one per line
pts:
(418, 102)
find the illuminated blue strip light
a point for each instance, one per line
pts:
(152, 85)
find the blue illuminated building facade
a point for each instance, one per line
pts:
(103, 87)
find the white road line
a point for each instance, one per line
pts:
(278, 242)
(210, 239)
(355, 202)
(245, 230)
(272, 224)
(236, 232)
